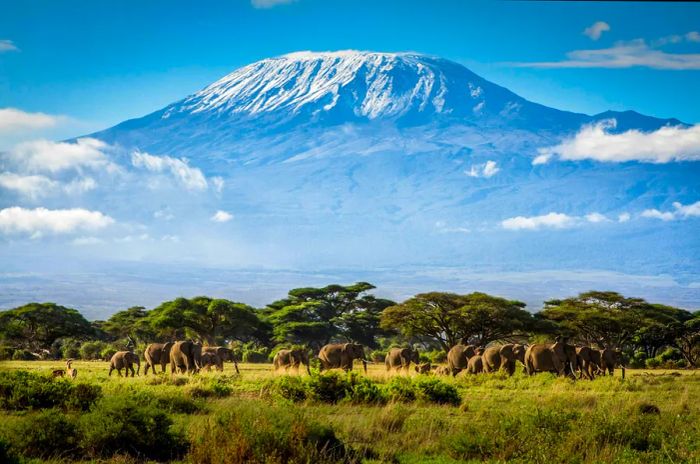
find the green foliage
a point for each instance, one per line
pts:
(290, 387)
(119, 425)
(250, 433)
(22, 355)
(92, 350)
(43, 434)
(435, 390)
(315, 316)
(37, 325)
(25, 390)
(330, 387)
(401, 389)
(6, 455)
(254, 353)
(448, 318)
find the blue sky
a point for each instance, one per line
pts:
(98, 63)
(102, 226)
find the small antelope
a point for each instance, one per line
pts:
(72, 373)
(58, 373)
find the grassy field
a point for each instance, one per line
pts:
(651, 416)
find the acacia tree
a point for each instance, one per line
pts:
(37, 325)
(687, 339)
(211, 320)
(132, 322)
(449, 318)
(610, 319)
(317, 316)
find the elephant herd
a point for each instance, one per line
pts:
(559, 357)
(183, 357)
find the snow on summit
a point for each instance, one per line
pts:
(370, 84)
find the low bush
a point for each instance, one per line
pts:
(26, 390)
(330, 387)
(119, 425)
(48, 433)
(401, 389)
(92, 350)
(22, 355)
(6, 454)
(253, 432)
(290, 387)
(436, 391)
(363, 390)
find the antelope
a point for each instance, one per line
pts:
(72, 373)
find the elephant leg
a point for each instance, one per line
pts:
(111, 368)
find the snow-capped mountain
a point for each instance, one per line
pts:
(399, 163)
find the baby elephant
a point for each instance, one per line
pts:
(124, 360)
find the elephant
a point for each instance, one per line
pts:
(458, 357)
(401, 358)
(596, 362)
(341, 355)
(210, 359)
(442, 370)
(584, 358)
(222, 354)
(291, 358)
(610, 358)
(423, 368)
(558, 357)
(124, 360)
(475, 365)
(186, 357)
(156, 353)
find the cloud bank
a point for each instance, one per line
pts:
(486, 170)
(596, 142)
(47, 156)
(222, 216)
(35, 222)
(7, 46)
(12, 120)
(179, 168)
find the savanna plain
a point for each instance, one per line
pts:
(262, 416)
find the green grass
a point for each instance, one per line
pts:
(651, 416)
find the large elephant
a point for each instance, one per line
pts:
(586, 366)
(291, 358)
(559, 357)
(341, 355)
(124, 360)
(156, 353)
(475, 365)
(186, 357)
(596, 361)
(458, 357)
(401, 358)
(609, 359)
(222, 354)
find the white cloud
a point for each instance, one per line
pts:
(218, 183)
(623, 217)
(36, 186)
(222, 216)
(669, 143)
(33, 186)
(133, 238)
(164, 214)
(655, 213)
(191, 177)
(269, 3)
(687, 210)
(44, 155)
(17, 220)
(595, 30)
(488, 169)
(634, 53)
(693, 36)
(13, 120)
(551, 220)
(8, 46)
(444, 229)
(596, 218)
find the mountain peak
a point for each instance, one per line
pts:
(350, 83)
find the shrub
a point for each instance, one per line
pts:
(291, 388)
(256, 355)
(363, 390)
(92, 350)
(330, 387)
(652, 363)
(401, 389)
(48, 433)
(255, 432)
(6, 455)
(378, 356)
(26, 390)
(118, 425)
(436, 391)
(437, 356)
(6, 353)
(107, 353)
(23, 355)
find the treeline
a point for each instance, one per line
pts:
(650, 335)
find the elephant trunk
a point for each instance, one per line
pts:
(364, 364)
